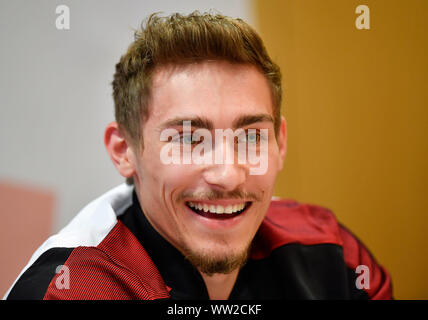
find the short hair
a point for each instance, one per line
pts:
(184, 39)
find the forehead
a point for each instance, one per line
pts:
(218, 90)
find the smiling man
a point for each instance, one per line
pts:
(201, 92)
(173, 197)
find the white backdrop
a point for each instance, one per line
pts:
(56, 95)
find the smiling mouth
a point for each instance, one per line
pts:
(213, 211)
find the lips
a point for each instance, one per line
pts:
(218, 211)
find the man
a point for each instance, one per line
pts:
(186, 226)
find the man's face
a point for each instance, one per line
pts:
(184, 202)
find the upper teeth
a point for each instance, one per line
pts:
(217, 208)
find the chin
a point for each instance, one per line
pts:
(218, 258)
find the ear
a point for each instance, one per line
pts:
(282, 143)
(119, 150)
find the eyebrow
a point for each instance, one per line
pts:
(200, 122)
(197, 122)
(246, 120)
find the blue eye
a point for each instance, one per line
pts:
(253, 137)
(188, 139)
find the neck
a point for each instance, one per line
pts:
(219, 285)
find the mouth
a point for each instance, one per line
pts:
(218, 211)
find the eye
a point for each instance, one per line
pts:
(188, 139)
(253, 137)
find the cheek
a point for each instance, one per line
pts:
(175, 180)
(161, 179)
(273, 167)
(265, 182)
(165, 180)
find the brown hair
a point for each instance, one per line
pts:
(183, 39)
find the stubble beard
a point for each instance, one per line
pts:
(209, 264)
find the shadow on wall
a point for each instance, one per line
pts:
(26, 222)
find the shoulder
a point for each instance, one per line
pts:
(66, 273)
(33, 283)
(118, 268)
(359, 258)
(290, 223)
(99, 254)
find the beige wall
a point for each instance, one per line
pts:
(355, 102)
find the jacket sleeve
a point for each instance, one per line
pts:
(34, 282)
(371, 277)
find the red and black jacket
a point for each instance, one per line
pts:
(299, 252)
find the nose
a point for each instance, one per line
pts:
(227, 177)
(226, 173)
